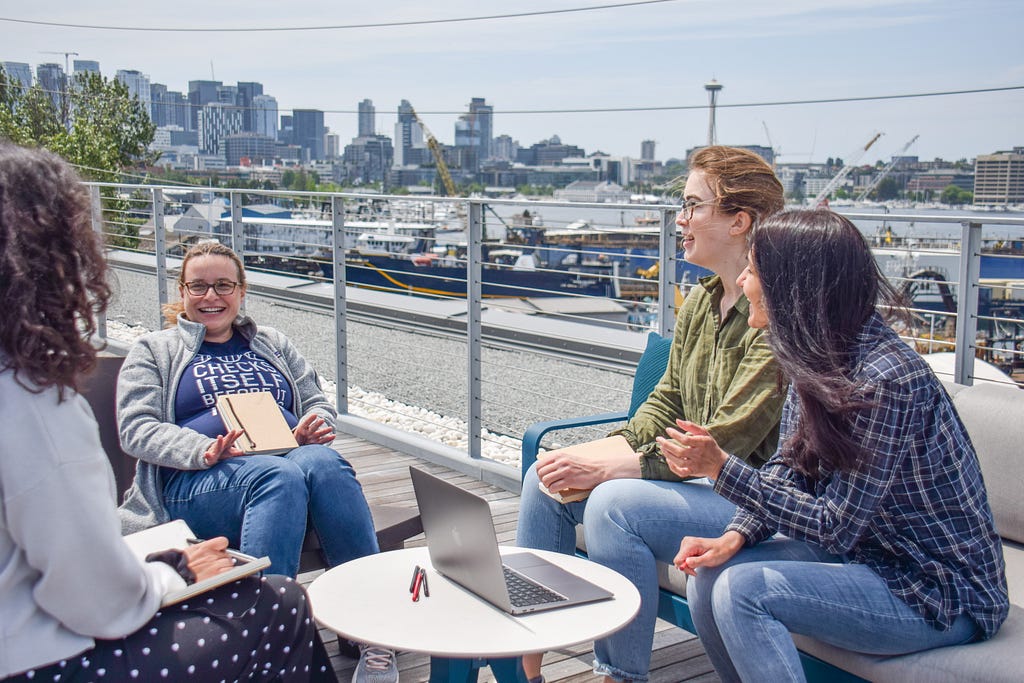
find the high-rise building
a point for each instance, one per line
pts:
(475, 130)
(169, 107)
(308, 132)
(18, 72)
(158, 112)
(367, 118)
(647, 150)
(264, 116)
(504, 148)
(51, 79)
(286, 133)
(217, 121)
(409, 138)
(369, 159)
(200, 93)
(137, 84)
(999, 178)
(86, 66)
(247, 92)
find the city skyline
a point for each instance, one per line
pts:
(643, 56)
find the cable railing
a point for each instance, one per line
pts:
(480, 328)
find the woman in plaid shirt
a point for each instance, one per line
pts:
(886, 541)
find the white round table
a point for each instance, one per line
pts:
(368, 600)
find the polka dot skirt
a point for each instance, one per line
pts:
(255, 629)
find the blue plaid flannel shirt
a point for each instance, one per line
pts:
(916, 512)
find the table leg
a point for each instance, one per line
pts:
(505, 670)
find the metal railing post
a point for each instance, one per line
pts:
(160, 251)
(474, 338)
(967, 302)
(96, 204)
(340, 303)
(667, 273)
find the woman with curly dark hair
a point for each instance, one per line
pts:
(76, 603)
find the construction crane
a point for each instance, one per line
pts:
(435, 149)
(885, 171)
(67, 64)
(770, 145)
(822, 197)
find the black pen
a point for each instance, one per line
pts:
(415, 572)
(426, 588)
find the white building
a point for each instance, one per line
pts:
(592, 191)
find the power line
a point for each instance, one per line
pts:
(603, 110)
(337, 27)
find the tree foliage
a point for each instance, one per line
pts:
(956, 196)
(107, 129)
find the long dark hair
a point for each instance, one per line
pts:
(820, 284)
(52, 271)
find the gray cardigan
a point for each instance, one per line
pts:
(146, 389)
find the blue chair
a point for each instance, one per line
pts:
(649, 370)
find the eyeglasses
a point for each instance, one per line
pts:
(686, 211)
(220, 287)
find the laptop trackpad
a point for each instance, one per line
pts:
(553, 576)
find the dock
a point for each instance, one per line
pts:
(677, 656)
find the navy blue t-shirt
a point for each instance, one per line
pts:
(230, 367)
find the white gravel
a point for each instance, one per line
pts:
(416, 382)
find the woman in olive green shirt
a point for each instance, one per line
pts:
(720, 374)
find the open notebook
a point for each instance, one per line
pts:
(174, 536)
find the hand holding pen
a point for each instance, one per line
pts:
(419, 583)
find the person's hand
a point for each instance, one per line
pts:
(313, 429)
(558, 470)
(691, 452)
(223, 447)
(208, 558)
(707, 552)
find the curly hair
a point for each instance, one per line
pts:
(204, 248)
(52, 271)
(741, 181)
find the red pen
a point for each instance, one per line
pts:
(416, 586)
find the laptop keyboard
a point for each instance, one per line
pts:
(523, 592)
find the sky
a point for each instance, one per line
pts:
(652, 55)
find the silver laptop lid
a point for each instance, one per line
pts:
(460, 537)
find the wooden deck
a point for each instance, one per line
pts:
(678, 655)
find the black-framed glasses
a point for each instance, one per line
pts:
(220, 287)
(688, 207)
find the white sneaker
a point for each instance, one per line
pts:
(376, 665)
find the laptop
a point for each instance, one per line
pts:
(464, 548)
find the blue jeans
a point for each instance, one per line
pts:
(628, 524)
(745, 610)
(262, 503)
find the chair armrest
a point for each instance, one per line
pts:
(535, 432)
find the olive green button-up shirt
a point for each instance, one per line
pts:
(721, 375)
